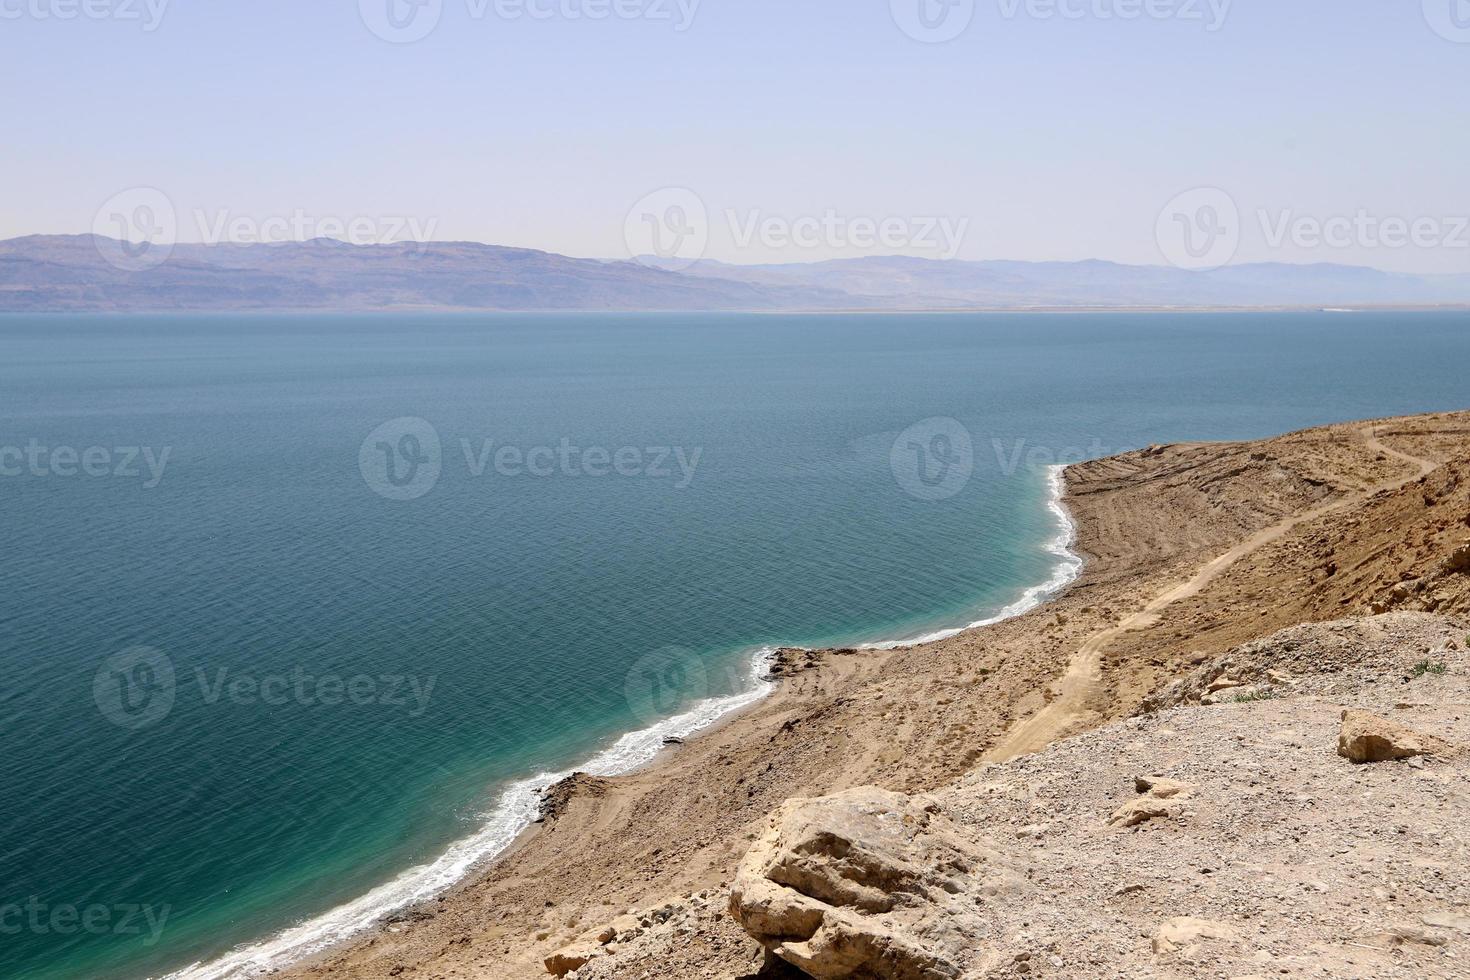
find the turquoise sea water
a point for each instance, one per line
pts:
(246, 683)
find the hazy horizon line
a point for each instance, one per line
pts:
(653, 261)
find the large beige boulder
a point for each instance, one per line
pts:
(871, 884)
(1142, 811)
(564, 961)
(1366, 737)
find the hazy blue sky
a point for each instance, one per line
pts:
(1054, 137)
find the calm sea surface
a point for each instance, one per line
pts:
(290, 601)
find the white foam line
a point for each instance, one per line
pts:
(1067, 570)
(520, 803)
(518, 807)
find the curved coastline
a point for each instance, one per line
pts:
(1069, 567)
(519, 803)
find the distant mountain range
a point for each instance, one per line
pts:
(80, 273)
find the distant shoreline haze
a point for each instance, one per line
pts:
(85, 273)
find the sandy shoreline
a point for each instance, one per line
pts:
(305, 943)
(910, 718)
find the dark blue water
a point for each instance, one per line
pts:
(245, 682)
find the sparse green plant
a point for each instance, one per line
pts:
(1266, 695)
(1430, 667)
